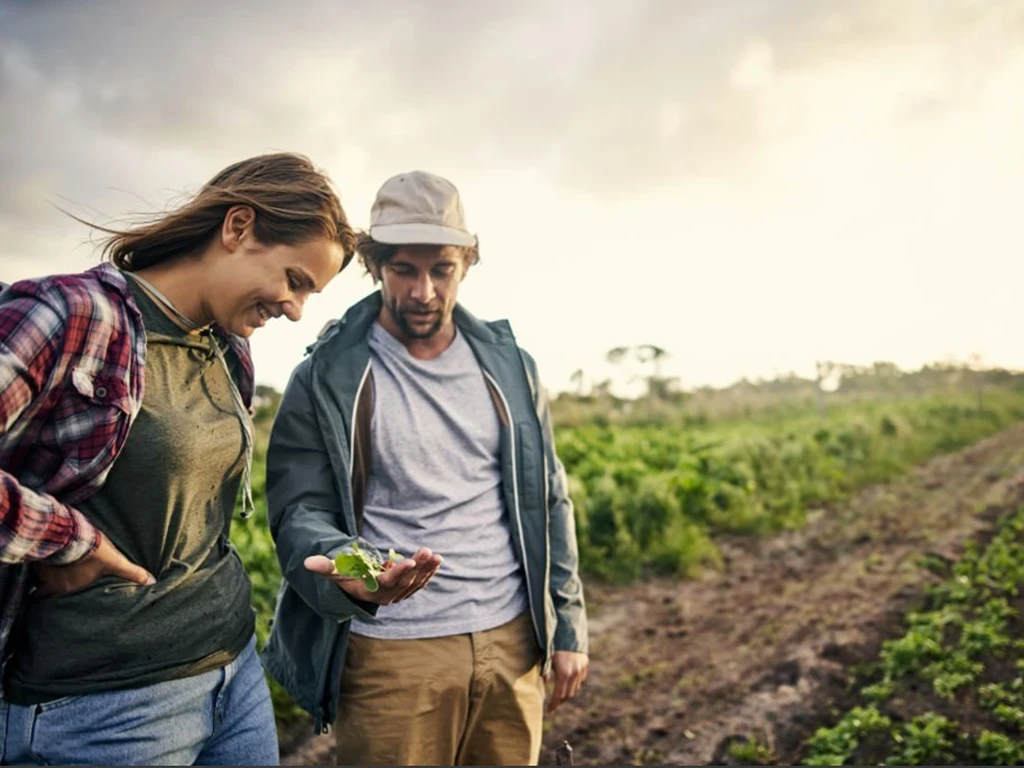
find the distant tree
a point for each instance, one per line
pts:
(577, 379)
(264, 390)
(266, 400)
(651, 353)
(644, 354)
(826, 373)
(616, 355)
(976, 366)
(603, 389)
(665, 388)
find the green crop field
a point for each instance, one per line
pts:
(651, 499)
(654, 498)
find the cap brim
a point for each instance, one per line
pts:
(421, 234)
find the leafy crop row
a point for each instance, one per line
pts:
(652, 498)
(951, 690)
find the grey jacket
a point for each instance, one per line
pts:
(317, 465)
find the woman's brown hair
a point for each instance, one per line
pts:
(293, 200)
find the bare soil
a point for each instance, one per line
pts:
(764, 648)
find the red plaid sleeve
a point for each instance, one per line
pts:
(33, 525)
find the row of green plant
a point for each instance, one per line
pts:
(950, 691)
(651, 498)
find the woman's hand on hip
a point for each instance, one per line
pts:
(105, 560)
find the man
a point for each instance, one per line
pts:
(415, 426)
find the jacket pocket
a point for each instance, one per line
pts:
(529, 457)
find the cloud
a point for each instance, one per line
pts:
(388, 79)
(755, 67)
(793, 152)
(600, 90)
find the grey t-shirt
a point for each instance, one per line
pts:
(436, 482)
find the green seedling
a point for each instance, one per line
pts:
(358, 563)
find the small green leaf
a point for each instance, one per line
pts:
(351, 566)
(356, 563)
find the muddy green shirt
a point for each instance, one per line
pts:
(167, 505)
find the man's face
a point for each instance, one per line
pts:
(420, 285)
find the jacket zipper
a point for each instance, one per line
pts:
(319, 726)
(352, 429)
(515, 502)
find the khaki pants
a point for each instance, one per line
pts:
(475, 699)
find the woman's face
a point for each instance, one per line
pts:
(259, 283)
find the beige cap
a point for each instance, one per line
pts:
(419, 208)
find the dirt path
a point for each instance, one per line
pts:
(681, 668)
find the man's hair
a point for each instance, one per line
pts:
(373, 255)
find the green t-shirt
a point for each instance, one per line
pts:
(167, 505)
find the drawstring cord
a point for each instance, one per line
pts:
(248, 507)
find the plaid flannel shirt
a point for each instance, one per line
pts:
(72, 356)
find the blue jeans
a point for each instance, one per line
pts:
(222, 717)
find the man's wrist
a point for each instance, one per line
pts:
(571, 650)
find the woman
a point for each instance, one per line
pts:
(135, 643)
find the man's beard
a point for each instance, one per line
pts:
(399, 316)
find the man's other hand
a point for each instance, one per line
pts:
(570, 670)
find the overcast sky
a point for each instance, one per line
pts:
(750, 184)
